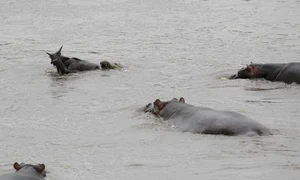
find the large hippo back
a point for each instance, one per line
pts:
(209, 121)
(18, 176)
(290, 73)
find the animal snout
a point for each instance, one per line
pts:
(148, 108)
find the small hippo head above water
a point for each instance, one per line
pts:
(105, 65)
(55, 56)
(158, 106)
(250, 71)
(38, 169)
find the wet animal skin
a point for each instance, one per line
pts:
(203, 120)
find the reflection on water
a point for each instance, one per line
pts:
(262, 89)
(59, 83)
(253, 101)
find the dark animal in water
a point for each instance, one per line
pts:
(203, 120)
(284, 72)
(65, 65)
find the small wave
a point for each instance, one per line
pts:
(263, 89)
(262, 101)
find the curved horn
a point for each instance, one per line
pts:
(60, 49)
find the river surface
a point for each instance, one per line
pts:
(87, 126)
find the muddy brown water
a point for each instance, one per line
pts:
(86, 125)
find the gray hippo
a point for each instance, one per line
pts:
(203, 120)
(26, 172)
(65, 65)
(284, 72)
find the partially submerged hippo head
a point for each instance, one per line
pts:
(39, 168)
(105, 65)
(250, 71)
(55, 56)
(158, 106)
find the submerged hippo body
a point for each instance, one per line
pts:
(65, 65)
(26, 172)
(194, 119)
(284, 72)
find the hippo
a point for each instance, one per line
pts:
(26, 172)
(65, 65)
(284, 72)
(203, 120)
(105, 65)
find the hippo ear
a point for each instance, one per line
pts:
(182, 100)
(175, 99)
(158, 104)
(41, 168)
(17, 166)
(251, 68)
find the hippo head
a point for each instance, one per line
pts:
(250, 71)
(158, 106)
(55, 56)
(105, 65)
(39, 168)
